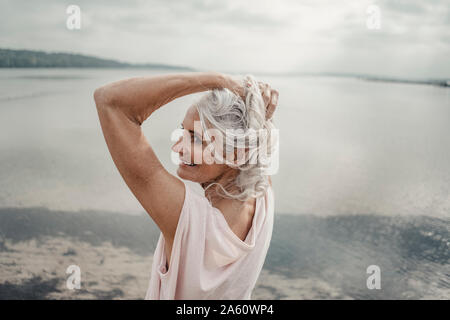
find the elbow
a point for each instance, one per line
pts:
(103, 96)
(100, 97)
(106, 97)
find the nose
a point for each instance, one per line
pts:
(178, 146)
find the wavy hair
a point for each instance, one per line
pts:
(243, 128)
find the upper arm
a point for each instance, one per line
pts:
(160, 193)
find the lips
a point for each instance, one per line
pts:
(187, 163)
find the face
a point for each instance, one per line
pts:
(191, 150)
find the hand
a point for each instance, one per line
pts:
(237, 85)
(270, 97)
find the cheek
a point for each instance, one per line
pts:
(209, 172)
(208, 159)
(208, 156)
(192, 151)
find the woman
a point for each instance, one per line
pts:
(211, 246)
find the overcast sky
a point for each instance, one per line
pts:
(243, 35)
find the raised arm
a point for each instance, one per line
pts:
(122, 107)
(137, 98)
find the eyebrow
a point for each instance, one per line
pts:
(192, 131)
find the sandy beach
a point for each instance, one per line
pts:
(113, 263)
(114, 252)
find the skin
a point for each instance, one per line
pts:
(124, 105)
(192, 141)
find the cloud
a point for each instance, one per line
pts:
(265, 36)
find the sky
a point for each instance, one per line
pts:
(413, 38)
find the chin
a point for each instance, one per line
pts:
(187, 173)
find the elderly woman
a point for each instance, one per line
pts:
(211, 246)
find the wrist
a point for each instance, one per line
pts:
(219, 80)
(232, 83)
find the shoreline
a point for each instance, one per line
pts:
(309, 257)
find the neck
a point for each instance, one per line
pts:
(223, 180)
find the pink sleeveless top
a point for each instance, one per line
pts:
(208, 260)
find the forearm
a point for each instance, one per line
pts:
(138, 98)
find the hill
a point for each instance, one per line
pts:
(40, 59)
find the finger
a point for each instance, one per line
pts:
(270, 110)
(273, 104)
(274, 96)
(268, 91)
(265, 93)
(262, 86)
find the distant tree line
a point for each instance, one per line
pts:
(40, 59)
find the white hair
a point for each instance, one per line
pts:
(224, 111)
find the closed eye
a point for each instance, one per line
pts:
(194, 137)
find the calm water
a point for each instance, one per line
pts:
(364, 170)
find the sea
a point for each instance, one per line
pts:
(363, 181)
